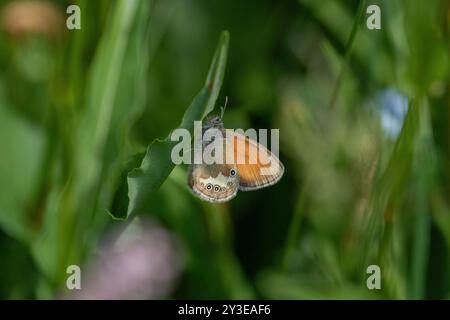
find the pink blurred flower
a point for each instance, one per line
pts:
(140, 262)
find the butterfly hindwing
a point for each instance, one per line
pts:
(214, 182)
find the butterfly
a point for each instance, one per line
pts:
(220, 182)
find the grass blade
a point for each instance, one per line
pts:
(157, 164)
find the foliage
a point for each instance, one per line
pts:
(83, 118)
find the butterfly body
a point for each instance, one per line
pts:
(220, 182)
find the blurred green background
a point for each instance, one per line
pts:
(364, 132)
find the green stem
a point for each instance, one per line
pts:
(219, 224)
(348, 50)
(294, 229)
(421, 240)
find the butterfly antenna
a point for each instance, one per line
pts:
(223, 108)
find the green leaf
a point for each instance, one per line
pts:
(157, 164)
(21, 161)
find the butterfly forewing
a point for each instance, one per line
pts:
(257, 166)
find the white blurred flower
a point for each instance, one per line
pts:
(392, 107)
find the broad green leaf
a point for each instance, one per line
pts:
(157, 164)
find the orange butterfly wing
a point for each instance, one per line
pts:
(257, 167)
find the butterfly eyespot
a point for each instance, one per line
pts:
(216, 188)
(209, 186)
(232, 172)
